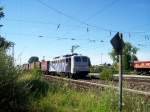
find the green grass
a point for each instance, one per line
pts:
(39, 95)
(61, 98)
(68, 100)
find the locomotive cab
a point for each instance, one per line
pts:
(80, 65)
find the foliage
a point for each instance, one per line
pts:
(95, 69)
(106, 74)
(33, 59)
(37, 86)
(61, 98)
(129, 55)
(98, 68)
(4, 43)
(1, 12)
(31, 93)
(11, 93)
(15, 91)
(18, 88)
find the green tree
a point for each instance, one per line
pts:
(33, 59)
(3, 42)
(129, 55)
(12, 92)
(1, 12)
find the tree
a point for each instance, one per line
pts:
(33, 59)
(13, 93)
(1, 14)
(4, 43)
(129, 55)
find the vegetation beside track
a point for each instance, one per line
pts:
(27, 92)
(62, 98)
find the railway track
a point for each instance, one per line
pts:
(130, 83)
(90, 84)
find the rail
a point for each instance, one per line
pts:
(86, 84)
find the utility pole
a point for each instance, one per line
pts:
(101, 53)
(120, 83)
(73, 48)
(13, 51)
(44, 58)
(101, 57)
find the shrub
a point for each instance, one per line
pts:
(96, 69)
(12, 94)
(36, 74)
(106, 74)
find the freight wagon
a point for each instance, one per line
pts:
(45, 67)
(25, 66)
(142, 67)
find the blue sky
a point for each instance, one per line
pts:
(26, 20)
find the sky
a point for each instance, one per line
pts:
(48, 28)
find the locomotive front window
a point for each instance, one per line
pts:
(84, 59)
(77, 59)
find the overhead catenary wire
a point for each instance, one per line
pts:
(103, 9)
(57, 37)
(87, 26)
(40, 22)
(83, 22)
(76, 26)
(146, 36)
(60, 12)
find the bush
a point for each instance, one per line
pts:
(12, 94)
(106, 74)
(37, 86)
(17, 88)
(36, 74)
(96, 69)
(62, 98)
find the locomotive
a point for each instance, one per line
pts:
(71, 65)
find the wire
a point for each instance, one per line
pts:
(60, 12)
(41, 22)
(30, 21)
(70, 17)
(82, 22)
(75, 26)
(107, 6)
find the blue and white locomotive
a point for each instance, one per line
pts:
(72, 65)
